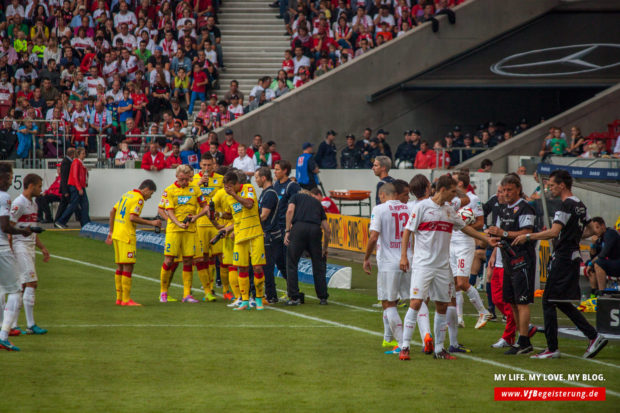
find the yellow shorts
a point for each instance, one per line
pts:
(252, 249)
(124, 252)
(228, 246)
(206, 234)
(180, 244)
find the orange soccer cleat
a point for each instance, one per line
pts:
(131, 303)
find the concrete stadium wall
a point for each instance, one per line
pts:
(338, 100)
(592, 115)
(107, 185)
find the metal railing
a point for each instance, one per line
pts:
(60, 135)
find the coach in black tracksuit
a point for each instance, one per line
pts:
(305, 217)
(65, 168)
(562, 285)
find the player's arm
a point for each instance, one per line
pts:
(404, 246)
(552, 232)
(264, 213)
(462, 197)
(139, 220)
(370, 247)
(204, 210)
(498, 232)
(588, 231)
(477, 235)
(478, 224)
(108, 239)
(246, 202)
(8, 228)
(171, 215)
(326, 234)
(41, 247)
(290, 211)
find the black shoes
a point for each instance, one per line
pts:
(293, 302)
(323, 301)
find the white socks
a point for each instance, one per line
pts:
(409, 327)
(11, 311)
(440, 331)
(453, 327)
(424, 322)
(28, 301)
(395, 323)
(2, 302)
(459, 303)
(475, 299)
(387, 331)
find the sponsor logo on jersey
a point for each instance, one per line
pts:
(140, 202)
(206, 190)
(215, 182)
(416, 291)
(130, 254)
(191, 190)
(137, 209)
(250, 189)
(164, 194)
(514, 211)
(237, 207)
(183, 199)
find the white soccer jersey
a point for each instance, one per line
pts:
(24, 214)
(432, 226)
(389, 219)
(460, 239)
(129, 18)
(109, 70)
(92, 83)
(129, 41)
(5, 211)
(130, 67)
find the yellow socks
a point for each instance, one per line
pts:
(244, 285)
(233, 279)
(126, 282)
(203, 274)
(119, 285)
(164, 277)
(187, 280)
(259, 284)
(224, 278)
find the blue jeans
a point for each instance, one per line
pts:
(192, 100)
(76, 201)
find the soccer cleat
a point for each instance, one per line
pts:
(546, 354)
(163, 298)
(532, 330)
(516, 350)
(16, 332)
(259, 304)
(59, 225)
(209, 297)
(284, 297)
(389, 344)
(501, 343)
(429, 344)
(172, 300)
(245, 305)
(403, 304)
(395, 350)
(404, 354)
(493, 317)
(443, 354)
(189, 299)
(35, 329)
(131, 303)
(228, 296)
(7, 345)
(595, 346)
(252, 303)
(293, 302)
(483, 320)
(235, 303)
(461, 322)
(118, 302)
(459, 348)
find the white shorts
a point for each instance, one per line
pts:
(25, 256)
(461, 259)
(9, 284)
(392, 285)
(437, 284)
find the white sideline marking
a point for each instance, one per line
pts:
(354, 307)
(359, 329)
(185, 326)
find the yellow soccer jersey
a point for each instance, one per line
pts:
(246, 220)
(130, 203)
(183, 201)
(208, 190)
(220, 200)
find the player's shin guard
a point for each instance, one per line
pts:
(440, 331)
(387, 330)
(224, 278)
(244, 285)
(475, 299)
(11, 312)
(424, 322)
(453, 325)
(28, 300)
(203, 274)
(396, 323)
(187, 280)
(409, 327)
(459, 303)
(119, 285)
(233, 278)
(259, 284)
(165, 275)
(126, 280)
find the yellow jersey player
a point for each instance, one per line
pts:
(163, 294)
(209, 183)
(248, 237)
(182, 201)
(123, 219)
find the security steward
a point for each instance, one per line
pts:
(307, 168)
(267, 208)
(305, 218)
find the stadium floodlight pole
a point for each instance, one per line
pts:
(543, 200)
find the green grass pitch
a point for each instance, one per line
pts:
(189, 357)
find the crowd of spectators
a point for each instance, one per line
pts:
(556, 143)
(73, 70)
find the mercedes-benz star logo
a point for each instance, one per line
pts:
(560, 61)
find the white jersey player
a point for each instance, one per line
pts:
(24, 215)
(431, 222)
(9, 284)
(387, 222)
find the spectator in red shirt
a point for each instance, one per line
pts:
(385, 31)
(275, 156)
(328, 204)
(78, 180)
(288, 65)
(134, 134)
(442, 157)
(485, 165)
(52, 194)
(153, 160)
(229, 148)
(199, 86)
(425, 158)
(174, 159)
